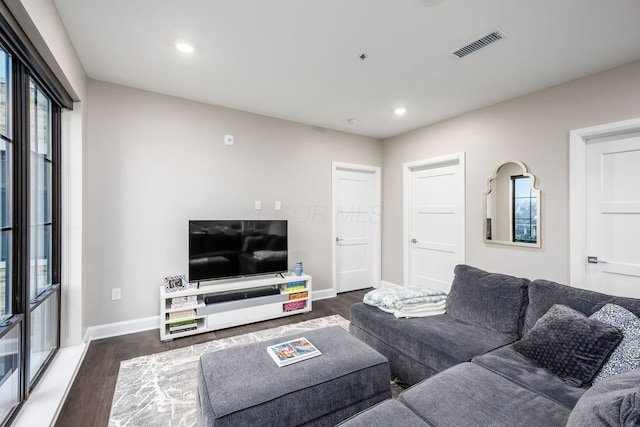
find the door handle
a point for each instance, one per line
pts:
(339, 239)
(414, 240)
(595, 260)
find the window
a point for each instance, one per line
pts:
(44, 305)
(10, 334)
(6, 162)
(29, 223)
(40, 162)
(525, 210)
(10, 370)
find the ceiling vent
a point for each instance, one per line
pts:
(482, 42)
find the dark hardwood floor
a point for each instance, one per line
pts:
(89, 400)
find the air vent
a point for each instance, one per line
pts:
(479, 44)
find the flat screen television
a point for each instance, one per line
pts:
(220, 249)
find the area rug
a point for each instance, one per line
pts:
(160, 389)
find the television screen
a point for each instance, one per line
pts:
(226, 248)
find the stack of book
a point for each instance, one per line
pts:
(182, 314)
(183, 326)
(293, 286)
(184, 302)
(294, 305)
(298, 295)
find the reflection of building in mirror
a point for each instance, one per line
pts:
(512, 207)
(524, 214)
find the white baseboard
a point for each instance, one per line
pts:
(324, 294)
(385, 284)
(122, 328)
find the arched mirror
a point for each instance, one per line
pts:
(512, 207)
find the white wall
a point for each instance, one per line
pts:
(155, 161)
(533, 129)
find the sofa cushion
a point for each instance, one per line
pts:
(626, 356)
(507, 362)
(492, 301)
(438, 341)
(470, 395)
(388, 413)
(615, 401)
(569, 345)
(544, 293)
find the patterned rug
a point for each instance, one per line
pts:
(160, 389)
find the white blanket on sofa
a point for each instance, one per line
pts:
(408, 302)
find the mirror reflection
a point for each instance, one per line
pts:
(512, 207)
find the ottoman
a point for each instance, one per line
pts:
(243, 386)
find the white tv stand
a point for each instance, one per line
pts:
(203, 317)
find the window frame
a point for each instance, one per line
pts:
(25, 68)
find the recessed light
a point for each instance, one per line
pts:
(185, 47)
(400, 111)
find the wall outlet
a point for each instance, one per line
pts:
(228, 140)
(116, 294)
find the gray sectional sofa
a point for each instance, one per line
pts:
(480, 363)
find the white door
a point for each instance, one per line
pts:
(613, 215)
(434, 219)
(356, 215)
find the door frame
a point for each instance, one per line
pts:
(578, 140)
(407, 169)
(376, 265)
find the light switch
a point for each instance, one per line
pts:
(278, 205)
(258, 205)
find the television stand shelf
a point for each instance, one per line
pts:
(185, 313)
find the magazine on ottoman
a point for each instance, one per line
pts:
(292, 351)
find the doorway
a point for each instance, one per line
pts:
(356, 236)
(434, 220)
(605, 208)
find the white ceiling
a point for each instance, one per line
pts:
(299, 59)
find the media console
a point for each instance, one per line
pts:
(228, 303)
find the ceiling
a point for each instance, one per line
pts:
(300, 60)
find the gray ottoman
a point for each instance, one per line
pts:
(242, 386)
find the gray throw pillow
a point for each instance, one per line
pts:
(568, 344)
(626, 356)
(492, 301)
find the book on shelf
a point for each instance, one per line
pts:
(177, 331)
(298, 295)
(187, 298)
(294, 305)
(297, 287)
(183, 326)
(179, 323)
(182, 314)
(183, 302)
(294, 284)
(292, 351)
